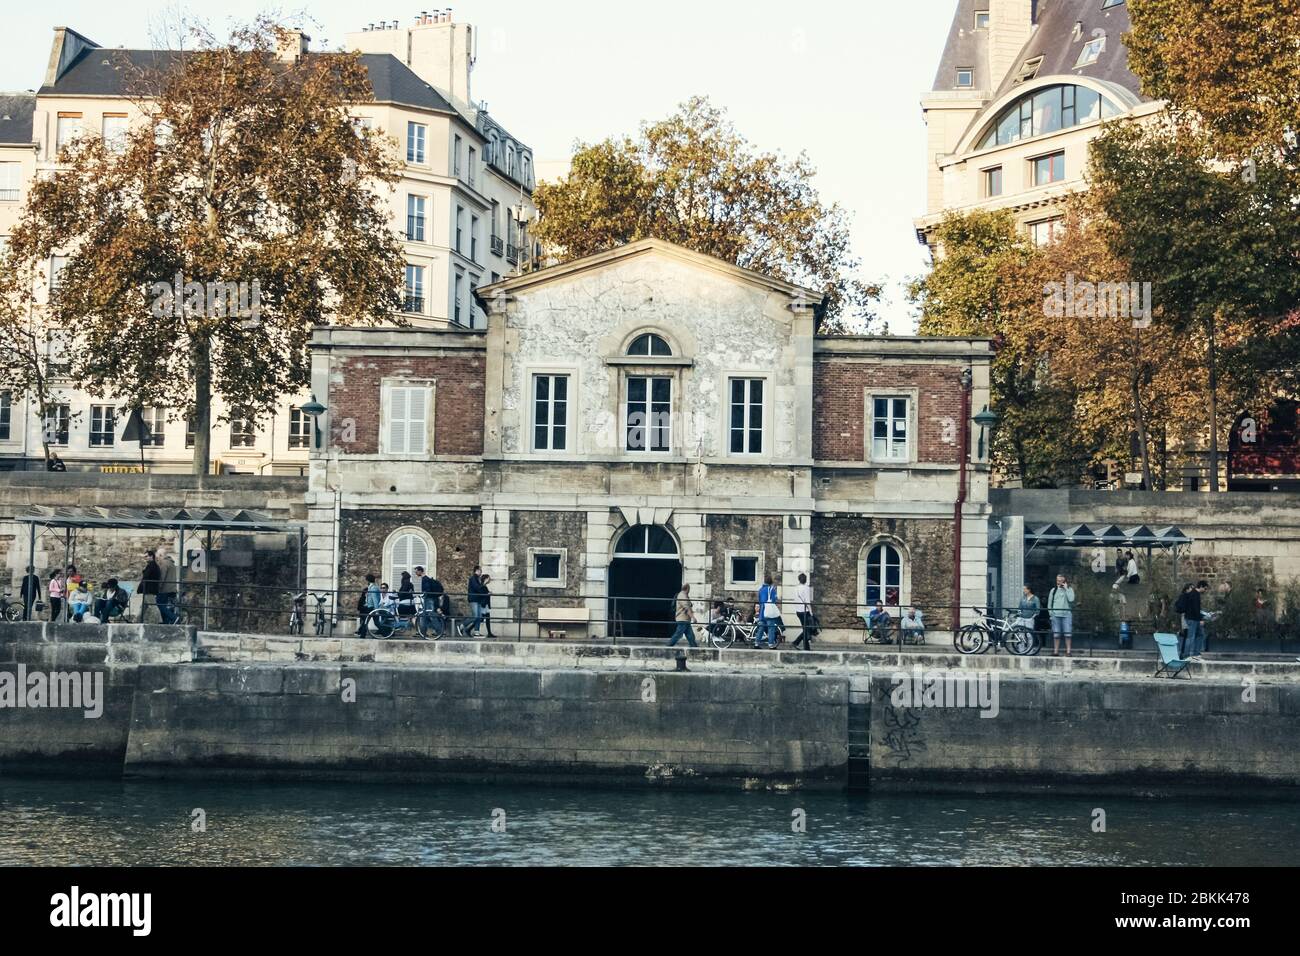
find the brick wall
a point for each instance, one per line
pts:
(356, 389)
(839, 426)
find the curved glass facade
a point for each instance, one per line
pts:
(1046, 111)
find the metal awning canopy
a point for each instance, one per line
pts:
(1105, 536)
(159, 519)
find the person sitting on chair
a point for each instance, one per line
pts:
(878, 623)
(112, 603)
(913, 627)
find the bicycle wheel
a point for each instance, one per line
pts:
(722, 637)
(384, 622)
(1020, 641)
(13, 613)
(971, 639)
(424, 626)
(295, 624)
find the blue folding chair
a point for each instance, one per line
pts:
(1170, 663)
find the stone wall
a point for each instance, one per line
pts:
(760, 533)
(456, 537)
(565, 530)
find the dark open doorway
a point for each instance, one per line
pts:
(644, 577)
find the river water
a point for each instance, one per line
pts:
(96, 822)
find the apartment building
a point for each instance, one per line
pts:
(1021, 89)
(463, 207)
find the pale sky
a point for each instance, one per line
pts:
(840, 80)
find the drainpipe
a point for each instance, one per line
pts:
(967, 378)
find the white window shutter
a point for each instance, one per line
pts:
(417, 419)
(397, 416)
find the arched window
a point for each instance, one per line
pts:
(650, 345)
(406, 550)
(884, 576)
(1046, 111)
(646, 541)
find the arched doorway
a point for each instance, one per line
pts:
(644, 577)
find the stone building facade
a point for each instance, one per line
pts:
(642, 418)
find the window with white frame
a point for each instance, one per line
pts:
(473, 238)
(415, 137)
(746, 426)
(883, 576)
(57, 265)
(649, 414)
(550, 413)
(460, 227)
(459, 293)
(415, 218)
(1091, 52)
(10, 181)
(299, 429)
(103, 424)
(414, 292)
(6, 411)
(455, 156)
(243, 432)
(407, 550)
(473, 162)
(56, 425)
(113, 129)
(472, 303)
(67, 130)
(547, 567)
(744, 570)
(1046, 231)
(891, 426)
(155, 419)
(407, 410)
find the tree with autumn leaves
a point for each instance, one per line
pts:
(1203, 204)
(694, 180)
(245, 167)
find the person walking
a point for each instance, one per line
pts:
(423, 586)
(685, 616)
(487, 606)
(769, 612)
(149, 579)
(58, 590)
(475, 602)
(168, 590)
(1060, 606)
(803, 599)
(369, 602)
(29, 592)
(406, 596)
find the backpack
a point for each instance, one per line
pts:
(362, 606)
(1180, 606)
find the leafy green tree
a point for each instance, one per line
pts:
(692, 179)
(245, 168)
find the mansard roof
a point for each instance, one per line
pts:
(16, 111)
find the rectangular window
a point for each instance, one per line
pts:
(546, 567)
(67, 130)
(460, 227)
(965, 77)
(155, 419)
(408, 419)
(550, 412)
(455, 156)
(993, 182)
(415, 134)
(981, 19)
(472, 304)
(57, 265)
(113, 129)
(746, 416)
(56, 425)
(299, 429)
(6, 411)
(415, 218)
(103, 422)
(649, 414)
(496, 219)
(460, 282)
(473, 238)
(243, 432)
(414, 292)
(473, 162)
(890, 427)
(1091, 52)
(743, 570)
(9, 181)
(1049, 169)
(1042, 233)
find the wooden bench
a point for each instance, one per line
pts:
(561, 615)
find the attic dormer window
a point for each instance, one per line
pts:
(981, 19)
(965, 78)
(1091, 52)
(1029, 70)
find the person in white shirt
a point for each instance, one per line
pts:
(1128, 573)
(913, 627)
(803, 600)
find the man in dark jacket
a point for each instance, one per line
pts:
(432, 596)
(29, 592)
(150, 578)
(1195, 622)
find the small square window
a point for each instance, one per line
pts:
(981, 19)
(546, 567)
(965, 78)
(744, 570)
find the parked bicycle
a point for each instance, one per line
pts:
(993, 632)
(385, 622)
(11, 612)
(298, 613)
(732, 629)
